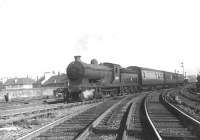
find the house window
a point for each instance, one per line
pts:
(116, 71)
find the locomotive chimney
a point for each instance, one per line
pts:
(77, 58)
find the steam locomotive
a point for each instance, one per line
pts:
(108, 79)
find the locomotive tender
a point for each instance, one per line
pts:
(111, 79)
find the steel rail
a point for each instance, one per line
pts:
(86, 132)
(183, 113)
(124, 137)
(151, 123)
(37, 132)
(40, 109)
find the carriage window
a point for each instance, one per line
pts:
(156, 75)
(144, 74)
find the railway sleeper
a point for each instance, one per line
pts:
(178, 137)
(138, 127)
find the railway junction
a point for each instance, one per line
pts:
(157, 114)
(108, 102)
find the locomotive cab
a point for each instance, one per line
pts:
(115, 72)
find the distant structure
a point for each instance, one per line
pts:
(198, 83)
(59, 80)
(40, 81)
(191, 78)
(47, 75)
(1, 85)
(19, 83)
(3, 79)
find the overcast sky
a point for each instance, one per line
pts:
(43, 35)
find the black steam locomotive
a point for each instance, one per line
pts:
(108, 79)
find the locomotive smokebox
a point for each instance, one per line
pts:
(77, 58)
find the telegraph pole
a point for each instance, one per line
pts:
(182, 65)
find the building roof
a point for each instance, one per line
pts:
(56, 79)
(39, 81)
(19, 81)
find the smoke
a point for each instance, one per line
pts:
(94, 45)
(82, 44)
(88, 93)
(85, 43)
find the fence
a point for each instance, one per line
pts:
(27, 93)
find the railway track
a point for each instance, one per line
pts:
(125, 119)
(75, 126)
(16, 104)
(132, 117)
(32, 120)
(137, 127)
(112, 125)
(127, 122)
(39, 109)
(167, 121)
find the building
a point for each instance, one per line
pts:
(19, 83)
(47, 75)
(1, 85)
(59, 80)
(38, 82)
(192, 78)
